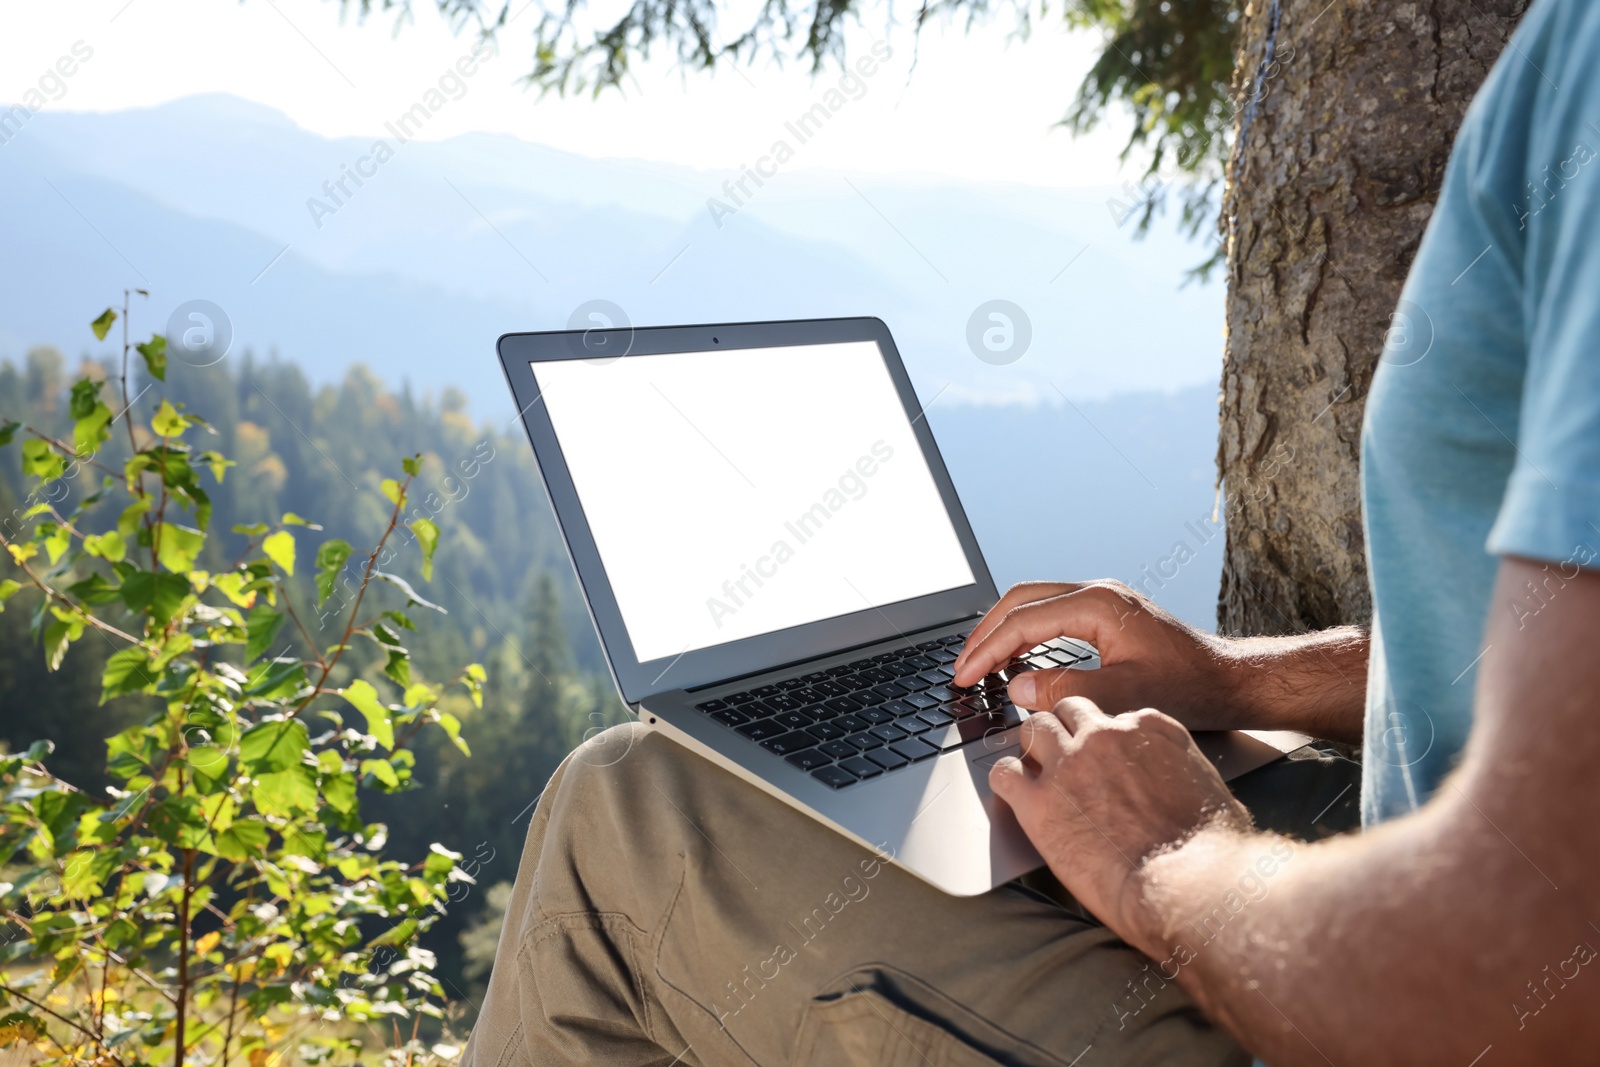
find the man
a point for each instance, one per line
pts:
(665, 913)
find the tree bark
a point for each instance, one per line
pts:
(1348, 111)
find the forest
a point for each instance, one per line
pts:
(320, 452)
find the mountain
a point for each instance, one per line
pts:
(1105, 425)
(480, 234)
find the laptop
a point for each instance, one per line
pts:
(781, 575)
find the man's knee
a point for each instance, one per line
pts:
(620, 764)
(610, 789)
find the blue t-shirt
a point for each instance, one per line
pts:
(1482, 435)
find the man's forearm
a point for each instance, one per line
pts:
(1421, 942)
(1284, 942)
(1465, 925)
(1314, 683)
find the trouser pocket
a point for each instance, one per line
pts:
(878, 1016)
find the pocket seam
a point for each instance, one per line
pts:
(930, 1007)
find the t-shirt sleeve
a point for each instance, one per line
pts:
(1551, 508)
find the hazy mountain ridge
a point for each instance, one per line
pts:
(455, 242)
(522, 234)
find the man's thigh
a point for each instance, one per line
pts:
(758, 935)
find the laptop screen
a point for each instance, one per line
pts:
(741, 492)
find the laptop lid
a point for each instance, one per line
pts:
(742, 496)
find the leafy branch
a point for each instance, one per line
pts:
(214, 903)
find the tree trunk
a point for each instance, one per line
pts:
(1348, 112)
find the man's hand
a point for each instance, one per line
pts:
(1098, 796)
(1147, 657)
(1315, 683)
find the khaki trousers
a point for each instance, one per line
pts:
(667, 913)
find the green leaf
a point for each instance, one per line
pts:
(254, 529)
(391, 489)
(85, 872)
(94, 590)
(102, 325)
(382, 770)
(400, 619)
(8, 589)
(109, 546)
(331, 558)
(399, 667)
(58, 541)
(279, 548)
(218, 463)
(154, 352)
(283, 792)
(131, 752)
(178, 821)
(291, 519)
(167, 421)
(365, 700)
(473, 677)
(276, 679)
(452, 727)
(83, 398)
(440, 861)
(128, 521)
(201, 502)
(91, 431)
(178, 546)
(412, 465)
(57, 636)
(427, 532)
(232, 585)
(421, 695)
(405, 587)
(274, 746)
(176, 645)
(339, 790)
(127, 671)
(155, 592)
(209, 760)
(42, 461)
(8, 431)
(262, 627)
(244, 839)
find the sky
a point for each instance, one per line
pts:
(973, 125)
(980, 105)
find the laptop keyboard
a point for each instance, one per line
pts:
(853, 722)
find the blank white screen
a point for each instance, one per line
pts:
(734, 493)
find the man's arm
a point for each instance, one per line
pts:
(1465, 925)
(1313, 683)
